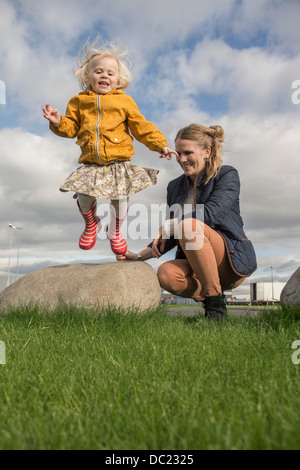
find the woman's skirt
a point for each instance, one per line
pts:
(114, 181)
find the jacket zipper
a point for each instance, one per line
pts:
(195, 198)
(184, 197)
(97, 129)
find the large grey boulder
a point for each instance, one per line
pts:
(290, 294)
(121, 284)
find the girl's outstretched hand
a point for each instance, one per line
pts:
(52, 114)
(166, 152)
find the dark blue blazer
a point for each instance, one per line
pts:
(220, 197)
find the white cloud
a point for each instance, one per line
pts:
(253, 80)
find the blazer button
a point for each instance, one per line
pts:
(231, 252)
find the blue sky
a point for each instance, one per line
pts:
(227, 62)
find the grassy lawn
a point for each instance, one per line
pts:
(108, 380)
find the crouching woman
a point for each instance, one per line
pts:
(213, 252)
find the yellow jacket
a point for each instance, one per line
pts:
(102, 123)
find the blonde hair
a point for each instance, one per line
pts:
(212, 137)
(104, 49)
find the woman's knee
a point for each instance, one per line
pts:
(173, 274)
(191, 234)
(164, 274)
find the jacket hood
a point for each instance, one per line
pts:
(114, 91)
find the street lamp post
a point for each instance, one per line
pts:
(18, 256)
(9, 253)
(13, 227)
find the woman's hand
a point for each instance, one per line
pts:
(143, 255)
(166, 152)
(158, 239)
(52, 114)
(129, 256)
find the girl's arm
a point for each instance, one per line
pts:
(67, 125)
(166, 152)
(146, 132)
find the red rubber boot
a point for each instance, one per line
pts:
(117, 242)
(92, 226)
(113, 231)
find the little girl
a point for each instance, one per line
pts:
(103, 118)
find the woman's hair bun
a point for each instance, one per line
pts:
(219, 133)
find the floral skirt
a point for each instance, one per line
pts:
(114, 181)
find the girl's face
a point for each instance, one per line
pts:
(103, 75)
(191, 157)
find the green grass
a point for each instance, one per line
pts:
(108, 380)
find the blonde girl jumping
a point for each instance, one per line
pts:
(104, 119)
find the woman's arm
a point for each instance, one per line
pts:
(141, 256)
(158, 247)
(223, 198)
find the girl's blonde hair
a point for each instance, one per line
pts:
(104, 49)
(212, 137)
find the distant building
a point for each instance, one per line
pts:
(171, 299)
(265, 292)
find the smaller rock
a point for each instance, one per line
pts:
(290, 294)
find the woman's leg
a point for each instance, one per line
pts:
(118, 213)
(178, 278)
(209, 262)
(206, 272)
(205, 250)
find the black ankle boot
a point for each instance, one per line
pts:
(215, 307)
